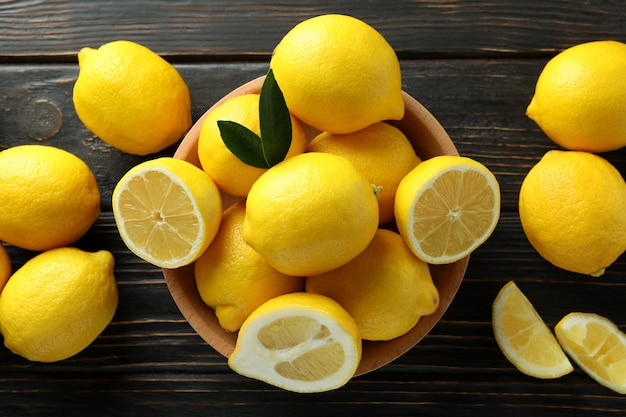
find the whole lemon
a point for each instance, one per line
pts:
(310, 213)
(338, 74)
(131, 98)
(580, 97)
(58, 303)
(234, 279)
(381, 152)
(386, 289)
(5, 266)
(229, 173)
(572, 206)
(49, 196)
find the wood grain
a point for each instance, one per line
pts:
(209, 30)
(472, 64)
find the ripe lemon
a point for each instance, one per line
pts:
(58, 303)
(310, 213)
(300, 342)
(5, 266)
(381, 152)
(386, 289)
(338, 74)
(229, 173)
(446, 207)
(131, 98)
(232, 278)
(50, 197)
(597, 345)
(580, 97)
(524, 337)
(167, 211)
(572, 207)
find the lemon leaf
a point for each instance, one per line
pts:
(272, 145)
(243, 143)
(274, 120)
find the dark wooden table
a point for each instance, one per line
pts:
(472, 64)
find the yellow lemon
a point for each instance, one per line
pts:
(232, 278)
(131, 98)
(524, 337)
(597, 345)
(5, 266)
(167, 211)
(446, 207)
(50, 197)
(580, 97)
(300, 342)
(386, 289)
(310, 213)
(58, 303)
(572, 207)
(338, 74)
(381, 152)
(229, 173)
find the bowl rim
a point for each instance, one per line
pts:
(181, 281)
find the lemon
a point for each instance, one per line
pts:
(310, 213)
(167, 211)
(580, 97)
(597, 345)
(232, 278)
(300, 342)
(446, 207)
(58, 303)
(5, 266)
(524, 337)
(131, 98)
(381, 152)
(229, 173)
(338, 74)
(572, 207)
(49, 196)
(386, 289)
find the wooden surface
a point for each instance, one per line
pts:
(472, 64)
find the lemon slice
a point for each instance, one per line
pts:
(446, 207)
(167, 211)
(301, 342)
(524, 338)
(597, 345)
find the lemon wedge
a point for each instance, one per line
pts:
(524, 338)
(597, 345)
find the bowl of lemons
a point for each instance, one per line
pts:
(348, 217)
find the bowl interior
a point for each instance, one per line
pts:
(429, 139)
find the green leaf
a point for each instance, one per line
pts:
(272, 145)
(275, 121)
(243, 143)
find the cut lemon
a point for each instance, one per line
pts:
(446, 207)
(524, 338)
(167, 211)
(597, 345)
(300, 342)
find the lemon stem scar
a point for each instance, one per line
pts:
(378, 189)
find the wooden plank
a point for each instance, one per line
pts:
(214, 29)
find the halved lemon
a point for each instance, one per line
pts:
(446, 207)
(524, 337)
(597, 345)
(301, 342)
(167, 211)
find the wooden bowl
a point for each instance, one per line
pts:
(429, 139)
